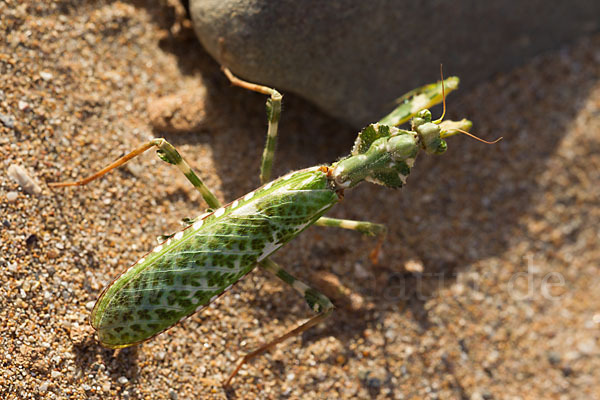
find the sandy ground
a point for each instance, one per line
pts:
(488, 287)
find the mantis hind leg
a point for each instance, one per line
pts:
(168, 154)
(317, 302)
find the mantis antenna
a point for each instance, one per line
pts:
(478, 138)
(440, 119)
(437, 121)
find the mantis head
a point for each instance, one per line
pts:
(385, 155)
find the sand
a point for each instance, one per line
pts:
(487, 287)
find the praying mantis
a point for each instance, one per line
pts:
(196, 265)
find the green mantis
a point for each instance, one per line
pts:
(193, 267)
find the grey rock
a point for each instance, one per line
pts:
(353, 57)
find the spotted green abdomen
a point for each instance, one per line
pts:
(198, 264)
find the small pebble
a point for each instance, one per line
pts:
(360, 271)
(476, 396)
(7, 120)
(52, 254)
(123, 380)
(19, 175)
(587, 346)
(44, 387)
(23, 105)
(90, 305)
(553, 357)
(47, 76)
(11, 196)
(414, 266)
(374, 384)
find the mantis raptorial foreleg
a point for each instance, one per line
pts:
(418, 99)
